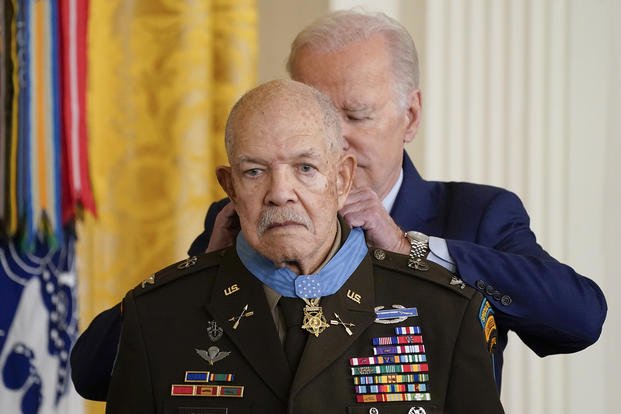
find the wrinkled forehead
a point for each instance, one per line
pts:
(288, 122)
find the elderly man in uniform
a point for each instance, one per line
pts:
(367, 64)
(297, 316)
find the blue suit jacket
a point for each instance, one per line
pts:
(552, 308)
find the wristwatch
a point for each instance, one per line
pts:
(419, 248)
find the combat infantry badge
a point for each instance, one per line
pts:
(398, 314)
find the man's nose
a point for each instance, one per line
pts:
(281, 188)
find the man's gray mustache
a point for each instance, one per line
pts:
(275, 216)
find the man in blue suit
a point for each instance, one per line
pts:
(368, 65)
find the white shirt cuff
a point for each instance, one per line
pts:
(438, 253)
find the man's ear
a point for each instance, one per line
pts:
(225, 179)
(414, 112)
(345, 177)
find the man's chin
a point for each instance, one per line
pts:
(281, 255)
(283, 243)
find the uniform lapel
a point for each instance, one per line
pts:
(354, 303)
(255, 336)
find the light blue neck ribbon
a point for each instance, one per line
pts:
(326, 282)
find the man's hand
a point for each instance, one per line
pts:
(363, 208)
(225, 229)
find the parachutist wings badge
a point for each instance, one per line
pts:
(212, 354)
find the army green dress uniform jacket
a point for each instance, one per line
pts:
(210, 316)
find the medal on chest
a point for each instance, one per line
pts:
(314, 321)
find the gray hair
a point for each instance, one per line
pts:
(338, 29)
(273, 90)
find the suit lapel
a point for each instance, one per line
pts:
(321, 351)
(255, 336)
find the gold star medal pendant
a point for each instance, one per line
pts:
(314, 321)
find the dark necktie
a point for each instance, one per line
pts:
(295, 338)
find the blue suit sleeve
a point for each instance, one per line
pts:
(93, 354)
(551, 308)
(199, 245)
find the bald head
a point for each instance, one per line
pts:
(284, 98)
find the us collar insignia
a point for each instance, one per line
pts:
(214, 331)
(356, 297)
(398, 314)
(212, 354)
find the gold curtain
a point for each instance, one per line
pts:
(162, 77)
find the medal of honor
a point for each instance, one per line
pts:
(314, 321)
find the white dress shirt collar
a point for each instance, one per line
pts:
(390, 198)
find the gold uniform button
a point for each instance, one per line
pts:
(379, 254)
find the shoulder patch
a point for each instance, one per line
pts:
(179, 269)
(434, 273)
(488, 323)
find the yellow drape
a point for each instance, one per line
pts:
(162, 77)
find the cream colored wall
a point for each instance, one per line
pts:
(279, 22)
(568, 180)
